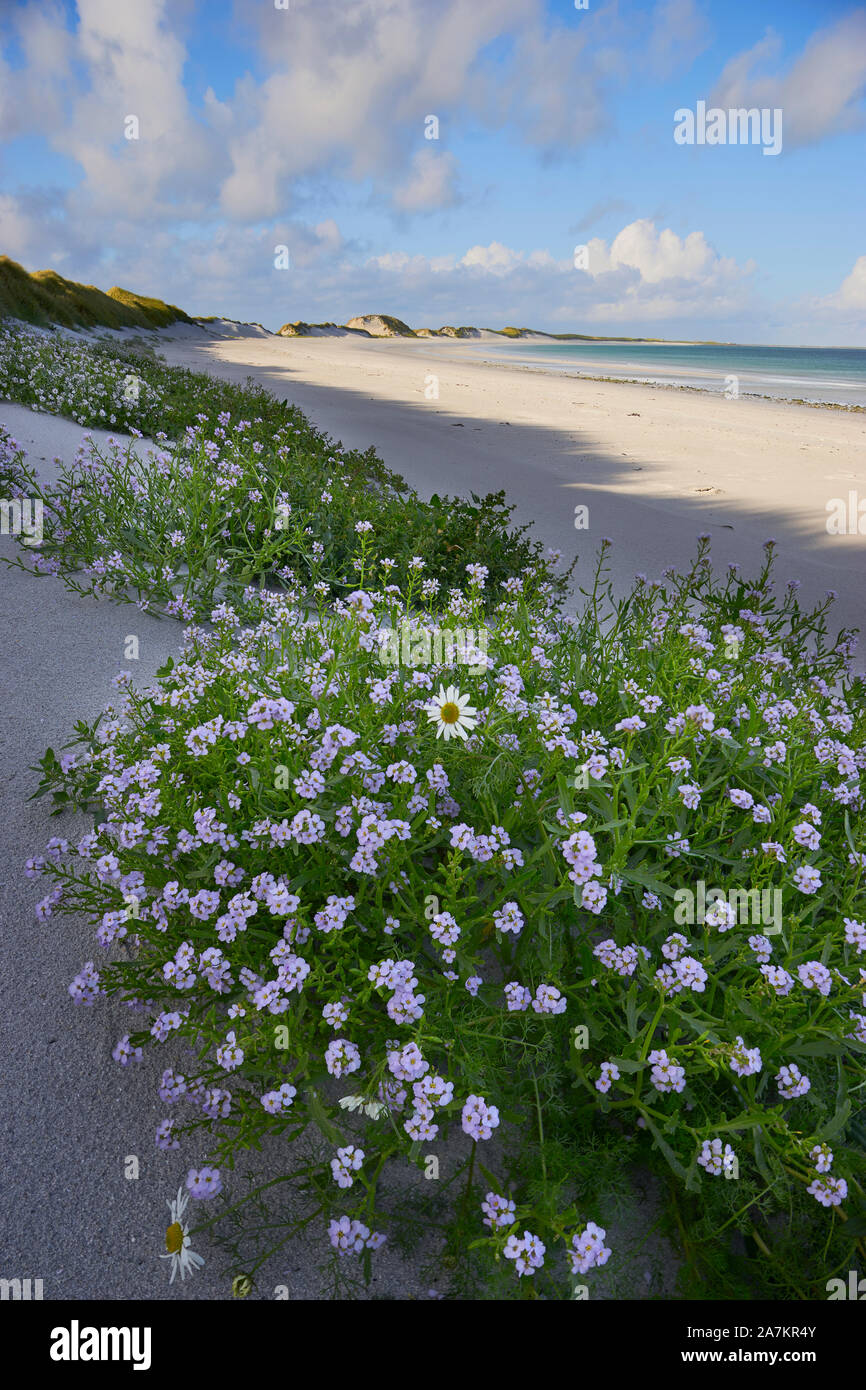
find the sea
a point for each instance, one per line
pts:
(835, 376)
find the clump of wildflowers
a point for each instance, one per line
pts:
(399, 942)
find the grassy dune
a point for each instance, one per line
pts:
(45, 298)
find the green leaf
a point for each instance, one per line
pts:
(835, 1126)
(741, 1122)
(317, 1110)
(631, 1011)
(697, 1025)
(759, 1158)
(666, 1149)
(829, 1047)
(740, 1002)
(655, 885)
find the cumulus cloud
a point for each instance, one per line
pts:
(346, 88)
(79, 89)
(820, 94)
(646, 275)
(431, 183)
(494, 259)
(852, 291)
(848, 303)
(194, 208)
(33, 94)
(658, 255)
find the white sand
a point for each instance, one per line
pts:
(655, 466)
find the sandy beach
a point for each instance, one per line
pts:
(654, 466)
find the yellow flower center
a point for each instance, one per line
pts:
(174, 1238)
(449, 714)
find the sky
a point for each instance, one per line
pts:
(484, 162)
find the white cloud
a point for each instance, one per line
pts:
(346, 92)
(349, 88)
(848, 303)
(819, 95)
(18, 229)
(680, 33)
(431, 182)
(494, 259)
(852, 291)
(645, 276)
(657, 256)
(348, 85)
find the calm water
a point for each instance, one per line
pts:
(836, 375)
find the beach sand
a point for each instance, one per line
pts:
(654, 466)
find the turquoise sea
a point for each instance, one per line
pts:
(833, 375)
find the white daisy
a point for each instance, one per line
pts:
(452, 712)
(373, 1108)
(177, 1246)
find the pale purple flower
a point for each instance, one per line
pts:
(609, 1074)
(588, 1249)
(478, 1118)
(498, 1211)
(829, 1191)
(745, 1061)
(204, 1183)
(528, 1253)
(124, 1052)
(342, 1057)
(814, 975)
(791, 1082)
(716, 1159)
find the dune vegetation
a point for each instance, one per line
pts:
(46, 299)
(578, 898)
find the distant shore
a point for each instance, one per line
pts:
(813, 376)
(655, 466)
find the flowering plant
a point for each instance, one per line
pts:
(240, 489)
(386, 938)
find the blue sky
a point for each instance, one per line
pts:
(305, 127)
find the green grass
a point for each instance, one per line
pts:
(46, 299)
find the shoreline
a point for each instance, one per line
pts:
(580, 458)
(562, 368)
(675, 386)
(498, 354)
